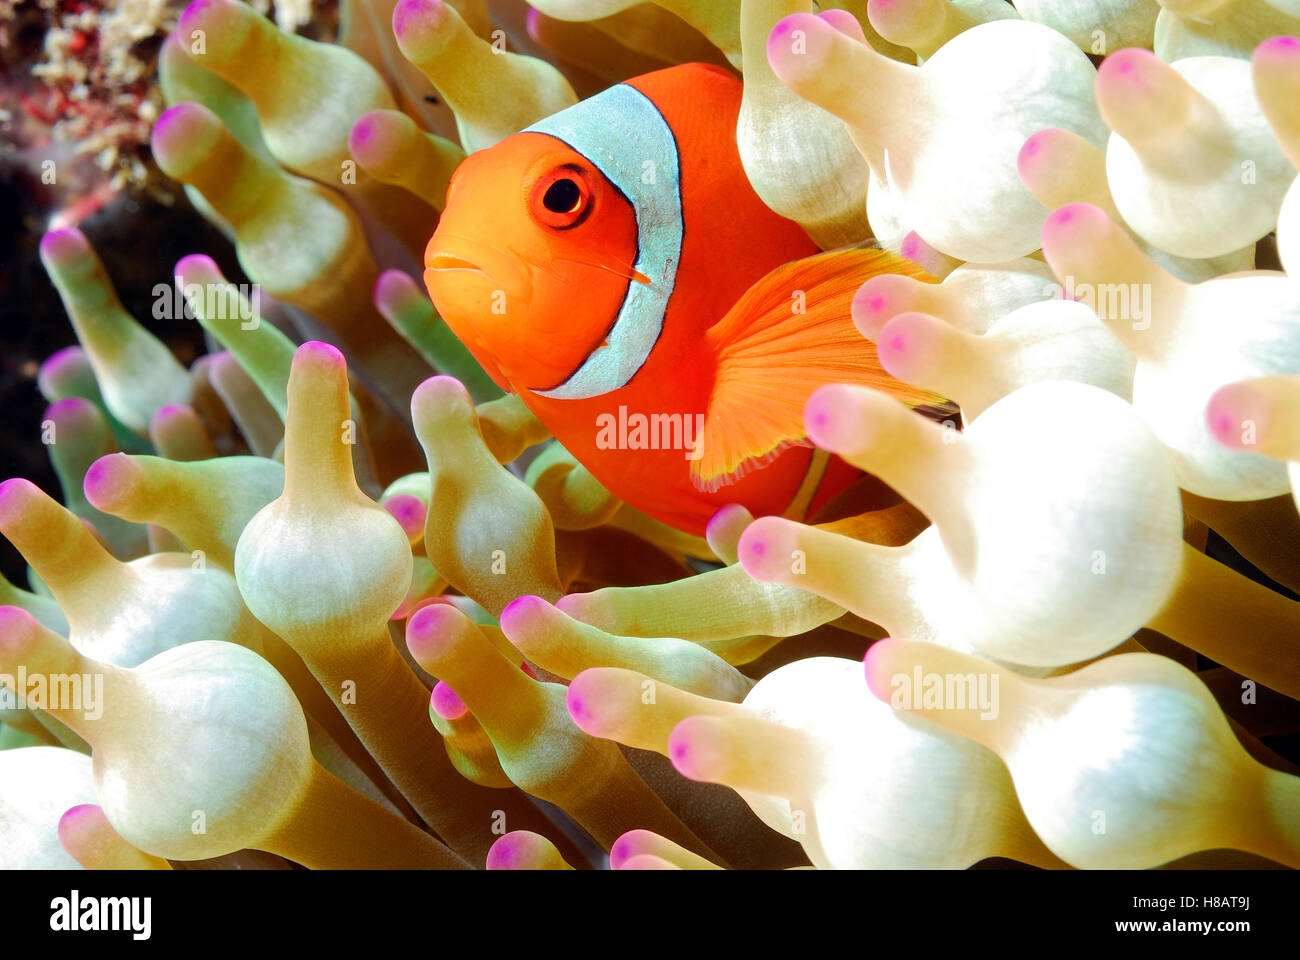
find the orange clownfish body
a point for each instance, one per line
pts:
(613, 266)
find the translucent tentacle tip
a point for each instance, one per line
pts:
(845, 22)
(224, 25)
(630, 845)
(78, 825)
(907, 343)
(410, 513)
(1072, 231)
(593, 703)
(371, 140)
(1037, 150)
(71, 412)
(416, 24)
(16, 495)
(521, 850)
(797, 47)
(318, 355)
(876, 669)
(183, 136)
(696, 748)
(198, 268)
(438, 391)
(64, 246)
(833, 418)
(766, 549)
(1284, 48)
(445, 703)
(430, 631)
(170, 412)
(394, 291)
(61, 363)
(877, 301)
(19, 632)
(1236, 416)
(110, 481)
(521, 613)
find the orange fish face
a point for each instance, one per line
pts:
(531, 259)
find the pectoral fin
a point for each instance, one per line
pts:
(788, 334)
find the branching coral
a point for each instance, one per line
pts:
(327, 593)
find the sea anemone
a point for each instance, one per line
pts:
(324, 595)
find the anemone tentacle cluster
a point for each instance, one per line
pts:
(332, 595)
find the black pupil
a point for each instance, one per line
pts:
(562, 196)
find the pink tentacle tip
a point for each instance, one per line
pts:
(690, 750)
(873, 305)
(314, 356)
(169, 121)
(505, 853)
(75, 821)
(873, 669)
(825, 417)
(1283, 46)
(56, 361)
(520, 611)
(428, 629)
(106, 481)
(620, 852)
(15, 495)
(64, 244)
(392, 289)
(1227, 419)
(1127, 72)
(318, 348)
(845, 22)
(411, 15)
(440, 393)
(579, 706)
(796, 43)
(570, 605)
(67, 407)
(363, 131)
(409, 511)
(1071, 218)
(445, 703)
(195, 263)
(171, 411)
(18, 629)
(721, 518)
(905, 343)
(764, 549)
(1033, 153)
(196, 11)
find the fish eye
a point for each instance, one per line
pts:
(562, 198)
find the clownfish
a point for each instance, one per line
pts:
(613, 266)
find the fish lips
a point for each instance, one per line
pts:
(448, 255)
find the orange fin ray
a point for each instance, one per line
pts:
(770, 359)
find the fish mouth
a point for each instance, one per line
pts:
(447, 261)
(450, 253)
